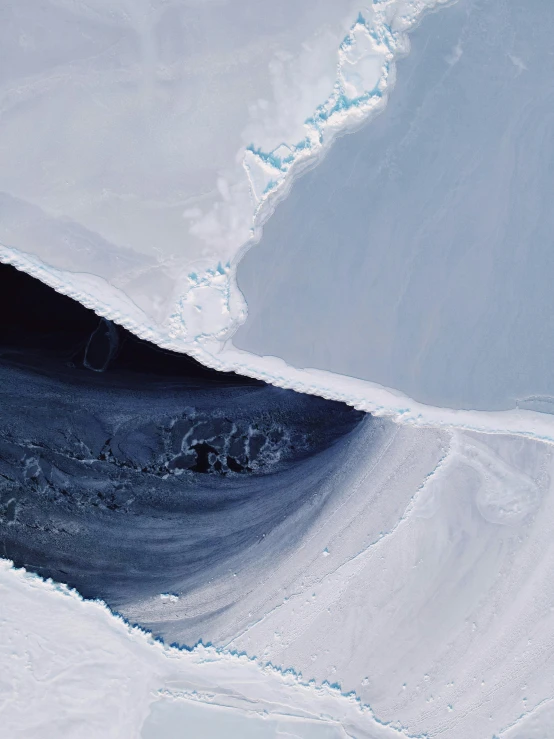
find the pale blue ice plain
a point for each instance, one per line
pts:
(173, 720)
(419, 255)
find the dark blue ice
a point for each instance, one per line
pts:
(149, 476)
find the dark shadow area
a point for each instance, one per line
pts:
(127, 471)
(38, 321)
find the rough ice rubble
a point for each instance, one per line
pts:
(471, 464)
(349, 505)
(425, 588)
(136, 289)
(86, 673)
(120, 223)
(127, 486)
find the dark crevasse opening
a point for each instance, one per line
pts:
(127, 470)
(37, 322)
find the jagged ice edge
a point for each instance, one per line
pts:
(209, 653)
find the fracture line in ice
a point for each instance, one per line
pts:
(210, 305)
(523, 717)
(361, 394)
(348, 103)
(365, 74)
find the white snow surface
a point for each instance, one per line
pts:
(423, 604)
(418, 254)
(425, 588)
(443, 617)
(169, 130)
(71, 669)
(420, 605)
(142, 222)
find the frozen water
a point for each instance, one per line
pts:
(168, 131)
(424, 591)
(381, 580)
(443, 621)
(418, 255)
(72, 669)
(407, 567)
(173, 720)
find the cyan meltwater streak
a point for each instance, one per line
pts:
(381, 561)
(350, 101)
(418, 255)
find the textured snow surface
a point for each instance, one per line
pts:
(424, 592)
(443, 619)
(137, 488)
(435, 333)
(405, 588)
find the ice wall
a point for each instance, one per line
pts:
(136, 231)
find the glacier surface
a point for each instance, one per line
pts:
(326, 574)
(85, 673)
(169, 132)
(418, 255)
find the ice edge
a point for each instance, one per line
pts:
(209, 653)
(338, 115)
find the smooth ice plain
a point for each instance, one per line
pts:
(392, 579)
(418, 255)
(164, 128)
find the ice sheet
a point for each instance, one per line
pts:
(195, 318)
(72, 669)
(419, 600)
(172, 720)
(424, 592)
(168, 132)
(418, 255)
(444, 621)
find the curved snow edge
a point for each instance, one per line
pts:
(202, 654)
(360, 394)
